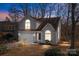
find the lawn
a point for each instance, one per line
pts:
(23, 49)
(26, 50)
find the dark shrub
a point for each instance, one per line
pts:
(47, 42)
(72, 51)
(3, 49)
(53, 52)
(7, 37)
(75, 53)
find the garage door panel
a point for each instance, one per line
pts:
(26, 37)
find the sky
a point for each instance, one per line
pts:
(4, 11)
(5, 7)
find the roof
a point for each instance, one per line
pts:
(44, 21)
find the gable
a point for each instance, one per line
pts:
(32, 22)
(48, 27)
(53, 22)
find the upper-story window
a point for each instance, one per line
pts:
(27, 24)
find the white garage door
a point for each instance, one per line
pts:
(26, 37)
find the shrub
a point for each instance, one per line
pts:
(77, 53)
(3, 49)
(47, 42)
(8, 37)
(73, 52)
(53, 52)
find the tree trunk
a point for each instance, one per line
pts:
(73, 26)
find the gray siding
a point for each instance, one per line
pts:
(22, 23)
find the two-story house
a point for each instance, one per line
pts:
(39, 29)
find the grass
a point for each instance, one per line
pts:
(36, 49)
(3, 49)
(25, 50)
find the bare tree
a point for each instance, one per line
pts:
(73, 25)
(15, 13)
(35, 10)
(42, 9)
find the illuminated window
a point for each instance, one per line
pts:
(58, 32)
(27, 24)
(48, 35)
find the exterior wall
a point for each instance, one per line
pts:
(53, 34)
(21, 25)
(59, 31)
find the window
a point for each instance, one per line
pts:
(39, 36)
(48, 35)
(58, 32)
(27, 24)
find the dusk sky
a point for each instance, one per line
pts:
(4, 11)
(5, 7)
